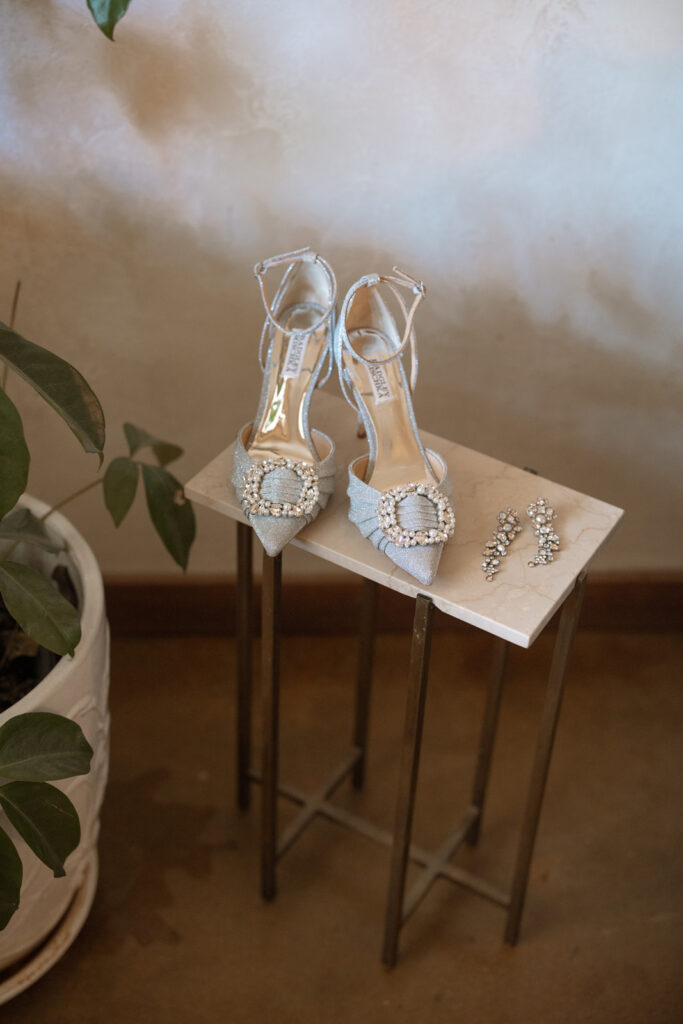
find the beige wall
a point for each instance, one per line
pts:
(524, 158)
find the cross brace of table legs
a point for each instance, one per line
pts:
(434, 865)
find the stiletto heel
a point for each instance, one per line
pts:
(400, 492)
(283, 471)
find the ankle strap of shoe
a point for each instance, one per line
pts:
(292, 259)
(399, 279)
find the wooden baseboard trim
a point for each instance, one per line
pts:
(206, 607)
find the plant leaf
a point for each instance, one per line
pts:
(11, 874)
(45, 819)
(120, 484)
(39, 608)
(21, 524)
(14, 455)
(40, 746)
(107, 13)
(171, 513)
(138, 438)
(60, 384)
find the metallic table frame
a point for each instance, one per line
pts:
(434, 865)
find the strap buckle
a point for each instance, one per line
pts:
(417, 287)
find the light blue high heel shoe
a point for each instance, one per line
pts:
(400, 492)
(283, 471)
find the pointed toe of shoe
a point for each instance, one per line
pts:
(420, 562)
(274, 533)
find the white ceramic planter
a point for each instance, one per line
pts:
(76, 687)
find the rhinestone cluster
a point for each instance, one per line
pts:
(506, 530)
(542, 514)
(387, 514)
(254, 502)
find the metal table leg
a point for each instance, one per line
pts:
(366, 650)
(551, 711)
(488, 736)
(410, 760)
(435, 865)
(243, 631)
(270, 692)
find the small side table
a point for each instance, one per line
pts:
(514, 608)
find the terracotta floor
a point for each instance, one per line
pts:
(178, 932)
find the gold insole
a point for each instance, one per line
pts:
(281, 429)
(399, 459)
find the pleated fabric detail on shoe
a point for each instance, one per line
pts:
(282, 485)
(416, 512)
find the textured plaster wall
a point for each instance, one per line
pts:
(525, 158)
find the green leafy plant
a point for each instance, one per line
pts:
(39, 609)
(107, 13)
(42, 615)
(35, 749)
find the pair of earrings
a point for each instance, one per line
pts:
(541, 513)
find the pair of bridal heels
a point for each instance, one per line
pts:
(283, 472)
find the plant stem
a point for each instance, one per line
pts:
(12, 318)
(55, 508)
(15, 303)
(72, 497)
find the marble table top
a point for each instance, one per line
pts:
(519, 601)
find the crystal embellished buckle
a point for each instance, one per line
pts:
(254, 502)
(387, 514)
